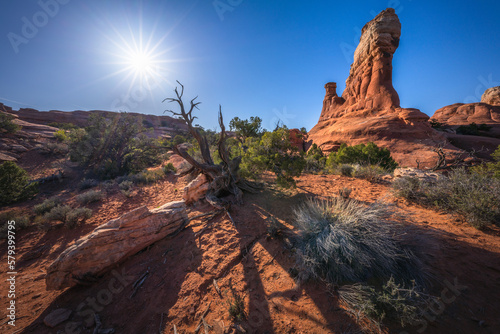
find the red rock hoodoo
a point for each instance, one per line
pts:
(369, 109)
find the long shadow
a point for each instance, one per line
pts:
(259, 319)
(134, 297)
(472, 267)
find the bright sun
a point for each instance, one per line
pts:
(141, 63)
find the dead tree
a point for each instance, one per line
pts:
(223, 178)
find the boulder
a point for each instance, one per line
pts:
(112, 242)
(196, 189)
(491, 96)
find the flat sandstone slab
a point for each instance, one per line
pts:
(112, 242)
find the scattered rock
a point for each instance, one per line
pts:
(417, 173)
(196, 189)
(56, 317)
(112, 242)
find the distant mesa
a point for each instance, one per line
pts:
(369, 108)
(453, 117)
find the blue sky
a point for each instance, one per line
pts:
(256, 58)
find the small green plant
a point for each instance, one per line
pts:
(15, 184)
(169, 168)
(7, 125)
(237, 307)
(61, 135)
(46, 205)
(90, 196)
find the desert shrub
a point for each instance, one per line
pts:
(90, 196)
(169, 168)
(473, 129)
(491, 169)
(372, 173)
(87, 184)
(126, 187)
(57, 213)
(473, 196)
(46, 205)
(369, 154)
(69, 216)
(77, 216)
(22, 221)
(64, 126)
(15, 184)
(273, 152)
(148, 176)
(315, 160)
(61, 135)
(7, 125)
(436, 124)
(346, 169)
(55, 149)
(344, 241)
(110, 148)
(407, 187)
(392, 301)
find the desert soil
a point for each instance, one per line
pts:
(246, 262)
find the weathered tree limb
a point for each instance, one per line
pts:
(223, 178)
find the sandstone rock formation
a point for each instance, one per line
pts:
(491, 96)
(453, 116)
(113, 242)
(369, 108)
(465, 114)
